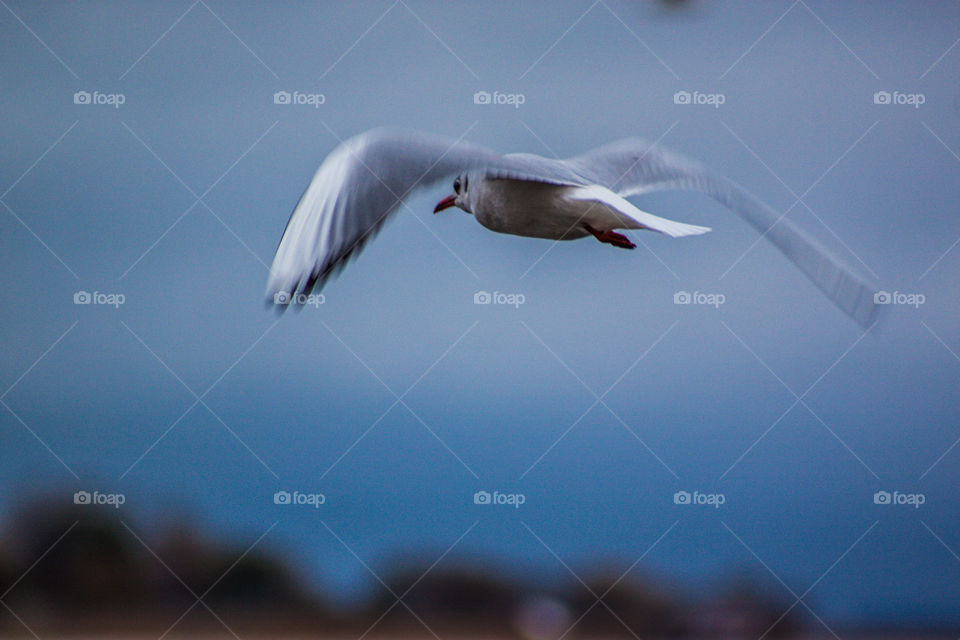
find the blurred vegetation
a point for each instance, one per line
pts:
(101, 577)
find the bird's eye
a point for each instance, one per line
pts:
(456, 185)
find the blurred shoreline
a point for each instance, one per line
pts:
(100, 579)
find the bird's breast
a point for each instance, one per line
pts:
(532, 209)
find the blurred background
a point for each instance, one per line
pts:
(596, 458)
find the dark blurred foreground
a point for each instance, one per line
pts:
(101, 577)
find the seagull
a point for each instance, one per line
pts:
(366, 179)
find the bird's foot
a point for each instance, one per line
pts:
(612, 237)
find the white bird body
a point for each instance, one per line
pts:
(555, 212)
(366, 179)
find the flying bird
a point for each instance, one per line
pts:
(365, 180)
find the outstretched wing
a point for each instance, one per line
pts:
(362, 183)
(633, 166)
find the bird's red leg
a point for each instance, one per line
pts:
(611, 237)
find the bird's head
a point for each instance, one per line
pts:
(460, 197)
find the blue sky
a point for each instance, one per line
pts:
(177, 198)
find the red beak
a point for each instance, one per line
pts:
(446, 203)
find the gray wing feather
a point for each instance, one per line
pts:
(362, 183)
(633, 166)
